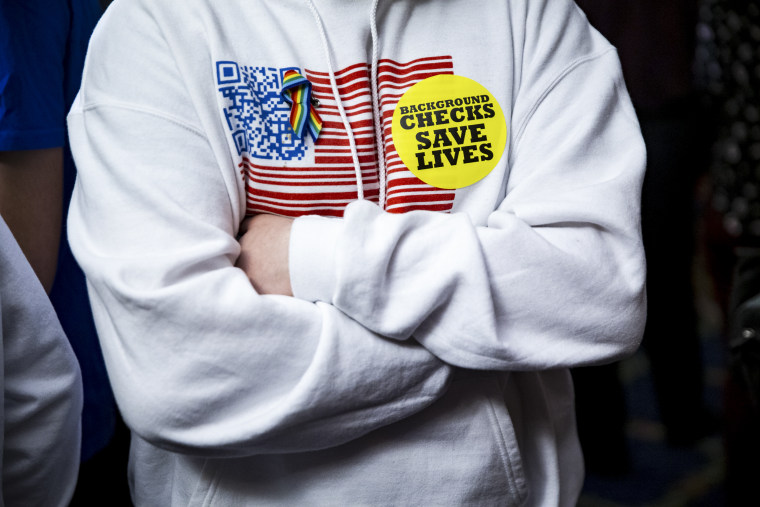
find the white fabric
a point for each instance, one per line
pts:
(41, 396)
(424, 358)
(336, 95)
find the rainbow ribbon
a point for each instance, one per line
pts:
(296, 90)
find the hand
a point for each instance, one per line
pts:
(264, 244)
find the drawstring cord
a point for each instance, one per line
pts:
(377, 110)
(376, 103)
(336, 95)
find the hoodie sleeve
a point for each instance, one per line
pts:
(555, 278)
(41, 399)
(199, 362)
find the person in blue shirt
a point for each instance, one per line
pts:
(42, 48)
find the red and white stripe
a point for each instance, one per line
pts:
(404, 191)
(329, 185)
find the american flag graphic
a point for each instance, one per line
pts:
(328, 185)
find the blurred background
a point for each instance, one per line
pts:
(676, 424)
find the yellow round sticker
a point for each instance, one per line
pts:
(449, 131)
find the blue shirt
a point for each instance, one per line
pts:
(42, 49)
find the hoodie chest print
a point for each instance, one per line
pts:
(292, 177)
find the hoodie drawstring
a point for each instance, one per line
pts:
(375, 102)
(377, 112)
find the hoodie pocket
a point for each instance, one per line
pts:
(504, 432)
(462, 450)
(206, 486)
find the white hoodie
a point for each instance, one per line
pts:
(423, 359)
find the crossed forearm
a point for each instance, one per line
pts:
(264, 244)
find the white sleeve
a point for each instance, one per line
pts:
(556, 276)
(199, 362)
(41, 399)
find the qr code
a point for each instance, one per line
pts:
(256, 114)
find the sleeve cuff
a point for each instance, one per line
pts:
(312, 251)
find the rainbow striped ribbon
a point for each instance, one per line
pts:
(296, 90)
